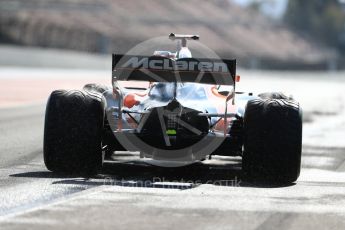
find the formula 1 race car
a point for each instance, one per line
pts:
(174, 109)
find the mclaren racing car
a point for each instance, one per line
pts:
(173, 109)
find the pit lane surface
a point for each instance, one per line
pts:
(209, 195)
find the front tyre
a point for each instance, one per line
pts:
(73, 132)
(272, 140)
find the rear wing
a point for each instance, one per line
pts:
(162, 69)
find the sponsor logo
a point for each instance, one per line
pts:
(179, 65)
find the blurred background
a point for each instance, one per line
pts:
(50, 44)
(261, 34)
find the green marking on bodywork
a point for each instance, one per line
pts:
(171, 132)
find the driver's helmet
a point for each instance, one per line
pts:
(162, 91)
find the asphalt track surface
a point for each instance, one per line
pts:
(208, 195)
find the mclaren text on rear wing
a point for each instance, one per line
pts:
(162, 69)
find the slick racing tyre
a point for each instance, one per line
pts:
(108, 134)
(73, 132)
(272, 140)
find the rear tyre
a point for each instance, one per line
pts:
(93, 87)
(73, 132)
(272, 140)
